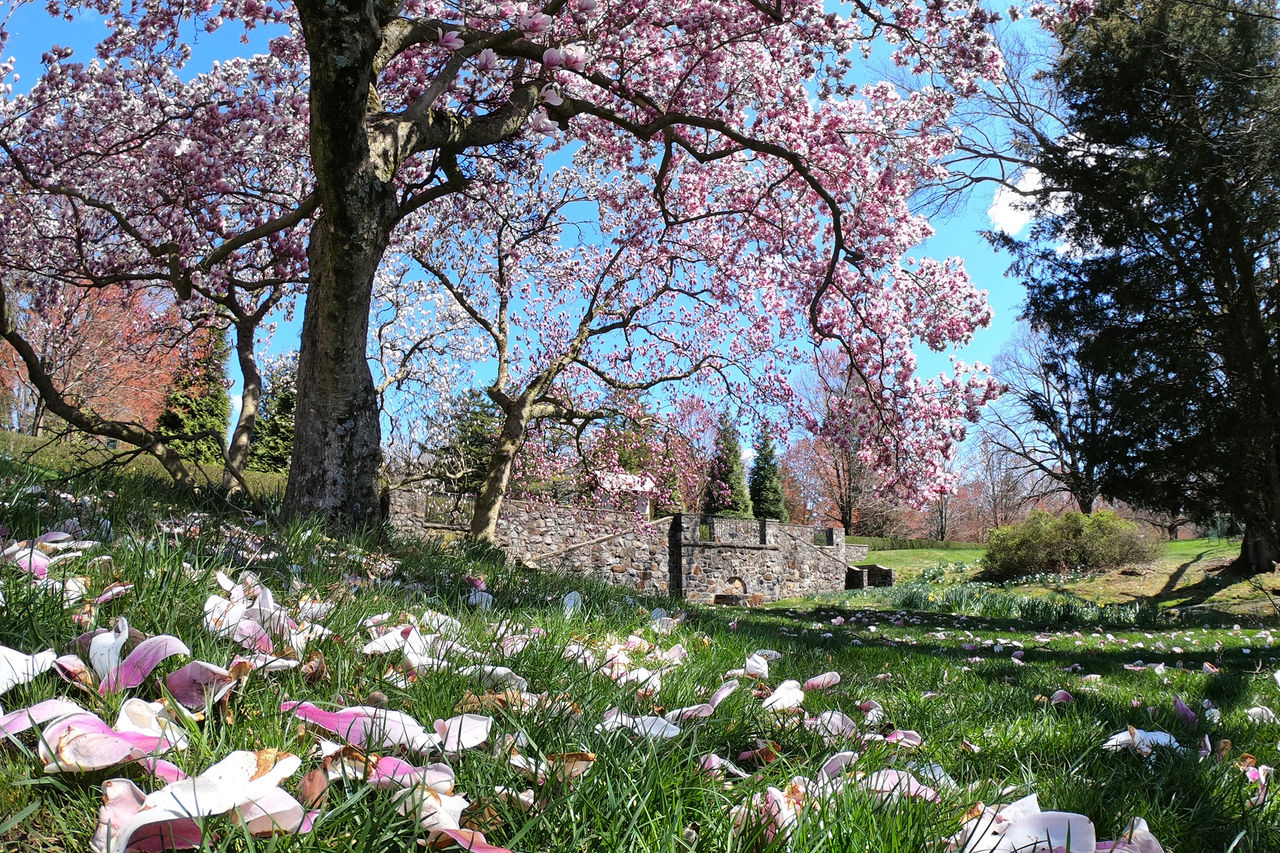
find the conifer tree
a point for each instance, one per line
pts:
(197, 401)
(273, 433)
(766, 481)
(727, 491)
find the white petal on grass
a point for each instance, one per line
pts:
(724, 691)
(822, 682)
(834, 766)
(757, 666)
(905, 738)
(105, 649)
(1142, 742)
(651, 727)
(1259, 714)
(311, 608)
(892, 784)
(787, 695)
(494, 676)
(1050, 831)
(465, 731)
(242, 777)
(19, 668)
(717, 766)
(441, 623)
(689, 712)
(833, 726)
(149, 718)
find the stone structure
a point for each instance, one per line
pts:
(699, 558)
(868, 575)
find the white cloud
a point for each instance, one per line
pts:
(1011, 211)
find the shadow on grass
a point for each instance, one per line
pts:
(1178, 574)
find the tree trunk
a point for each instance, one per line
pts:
(484, 518)
(238, 451)
(1256, 553)
(1085, 502)
(337, 453)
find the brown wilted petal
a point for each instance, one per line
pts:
(313, 790)
(314, 669)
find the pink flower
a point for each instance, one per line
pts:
(542, 123)
(533, 24)
(575, 58)
(486, 60)
(450, 40)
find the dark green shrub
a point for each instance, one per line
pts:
(1069, 542)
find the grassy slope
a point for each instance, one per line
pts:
(950, 678)
(909, 564)
(66, 457)
(1188, 573)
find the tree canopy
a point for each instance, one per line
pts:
(740, 144)
(1155, 259)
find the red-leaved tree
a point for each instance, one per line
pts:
(112, 351)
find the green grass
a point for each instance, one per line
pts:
(1190, 574)
(948, 676)
(911, 563)
(899, 543)
(70, 457)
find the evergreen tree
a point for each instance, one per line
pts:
(1166, 182)
(766, 481)
(463, 464)
(727, 492)
(273, 434)
(198, 400)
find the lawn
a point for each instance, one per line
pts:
(567, 748)
(1189, 574)
(910, 564)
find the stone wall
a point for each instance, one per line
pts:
(687, 556)
(638, 558)
(756, 560)
(529, 530)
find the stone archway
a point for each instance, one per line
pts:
(732, 592)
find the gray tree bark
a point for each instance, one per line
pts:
(493, 489)
(333, 473)
(251, 395)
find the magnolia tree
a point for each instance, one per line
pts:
(421, 349)
(129, 172)
(738, 136)
(630, 458)
(585, 325)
